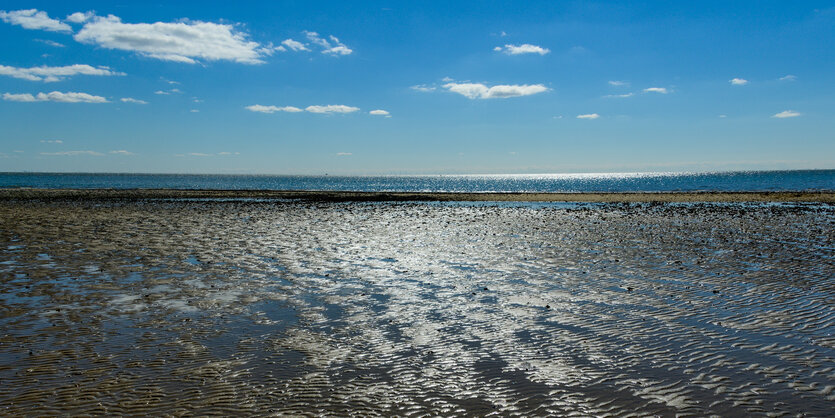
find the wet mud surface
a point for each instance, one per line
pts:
(327, 308)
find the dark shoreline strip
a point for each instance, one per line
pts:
(343, 196)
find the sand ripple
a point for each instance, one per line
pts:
(198, 307)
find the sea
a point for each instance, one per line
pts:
(735, 181)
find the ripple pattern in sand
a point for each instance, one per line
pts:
(415, 309)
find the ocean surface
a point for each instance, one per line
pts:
(820, 180)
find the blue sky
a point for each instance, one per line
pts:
(416, 87)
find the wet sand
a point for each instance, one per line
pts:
(113, 304)
(342, 196)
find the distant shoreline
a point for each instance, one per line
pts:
(350, 196)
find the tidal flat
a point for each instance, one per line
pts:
(274, 307)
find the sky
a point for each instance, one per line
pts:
(429, 87)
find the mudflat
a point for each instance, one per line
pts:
(184, 302)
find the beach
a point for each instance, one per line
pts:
(456, 304)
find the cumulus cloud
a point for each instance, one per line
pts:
(132, 100)
(73, 153)
(522, 49)
(34, 19)
(121, 152)
(167, 92)
(786, 114)
(588, 116)
(330, 46)
(52, 141)
(481, 91)
(273, 109)
(50, 74)
(379, 112)
(294, 45)
(788, 77)
(738, 81)
(79, 17)
(617, 83)
(662, 90)
(331, 109)
(184, 41)
(55, 96)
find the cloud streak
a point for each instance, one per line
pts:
(132, 100)
(52, 74)
(330, 46)
(589, 116)
(273, 109)
(326, 109)
(34, 19)
(660, 90)
(331, 109)
(55, 96)
(786, 114)
(502, 91)
(73, 153)
(522, 49)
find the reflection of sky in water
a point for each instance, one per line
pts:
(535, 309)
(582, 182)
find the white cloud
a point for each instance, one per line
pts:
(55, 96)
(228, 153)
(618, 96)
(481, 91)
(617, 83)
(199, 154)
(121, 152)
(50, 43)
(184, 41)
(331, 109)
(788, 77)
(79, 17)
(34, 19)
(738, 81)
(311, 109)
(132, 100)
(294, 45)
(273, 109)
(522, 49)
(379, 112)
(167, 92)
(50, 74)
(661, 90)
(52, 141)
(335, 48)
(588, 116)
(73, 153)
(723, 116)
(786, 114)
(344, 154)
(423, 88)
(194, 111)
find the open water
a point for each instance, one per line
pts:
(586, 182)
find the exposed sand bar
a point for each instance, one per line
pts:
(308, 308)
(347, 196)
